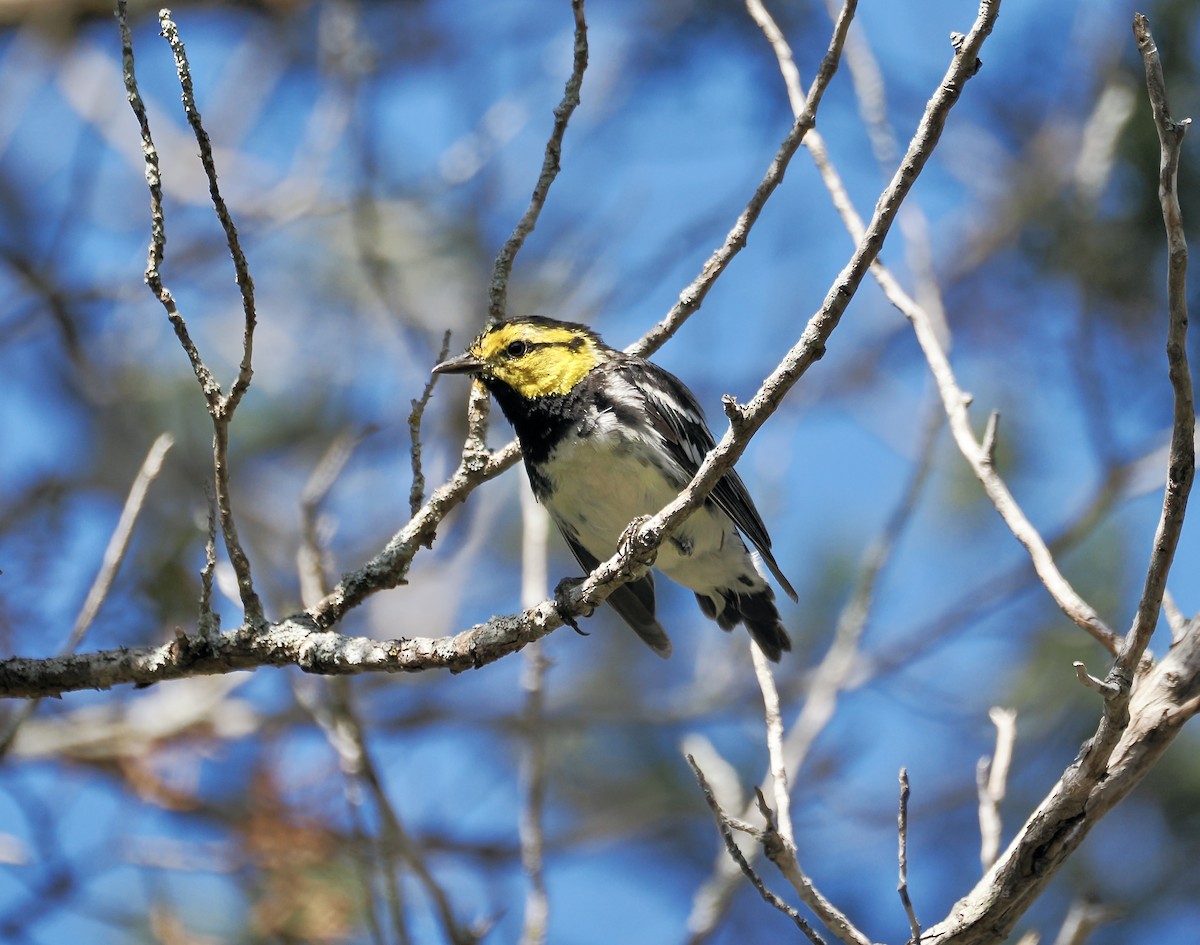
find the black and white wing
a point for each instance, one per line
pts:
(679, 419)
(634, 601)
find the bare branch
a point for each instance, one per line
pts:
(988, 446)
(1176, 621)
(1181, 462)
(992, 783)
(833, 673)
(724, 826)
(220, 406)
(209, 621)
(389, 567)
(498, 289)
(1137, 723)
(310, 557)
(1086, 792)
(979, 456)
(535, 530)
(1083, 918)
(241, 269)
(1106, 689)
(251, 603)
(110, 564)
(783, 854)
(930, 332)
(691, 298)
(902, 859)
(344, 731)
(333, 716)
(774, 724)
(416, 495)
(213, 394)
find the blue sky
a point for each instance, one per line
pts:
(676, 127)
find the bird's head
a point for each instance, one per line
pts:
(535, 357)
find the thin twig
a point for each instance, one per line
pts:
(991, 777)
(535, 530)
(331, 710)
(870, 95)
(158, 233)
(930, 332)
(833, 673)
(902, 860)
(220, 406)
(978, 456)
(330, 703)
(692, 297)
(1181, 462)
(1107, 689)
(390, 566)
(774, 725)
(118, 543)
(394, 832)
(783, 855)
(209, 621)
(1176, 621)
(251, 603)
(416, 494)
(1083, 918)
(1117, 688)
(241, 269)
(551, 163)
(110, 564)
(723, 826)
(310, 557)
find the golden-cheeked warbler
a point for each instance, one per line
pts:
(608, 438)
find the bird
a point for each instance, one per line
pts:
(610, 437)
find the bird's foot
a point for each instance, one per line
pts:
(629, 543)
(561, 594)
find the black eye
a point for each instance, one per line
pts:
(516, 349)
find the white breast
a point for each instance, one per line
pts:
(602, 482)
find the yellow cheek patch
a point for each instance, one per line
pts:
(537, 360)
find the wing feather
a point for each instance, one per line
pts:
(633, 601)
(679, 420)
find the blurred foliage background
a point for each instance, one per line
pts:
(375, 155)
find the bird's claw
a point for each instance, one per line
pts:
(561, 593)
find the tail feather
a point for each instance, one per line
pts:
(635, 603)
(756, 610)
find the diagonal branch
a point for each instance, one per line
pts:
(930, 331)
(213, 394)
(1138, 722)
(726, 825)
(110, 564)
(1181, 461)
(746, 420)
(390, 566)
(241, 269)
(299, 639)
(220, 405)
(551, 162)
(691, 298)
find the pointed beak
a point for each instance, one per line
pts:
(463, 364)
